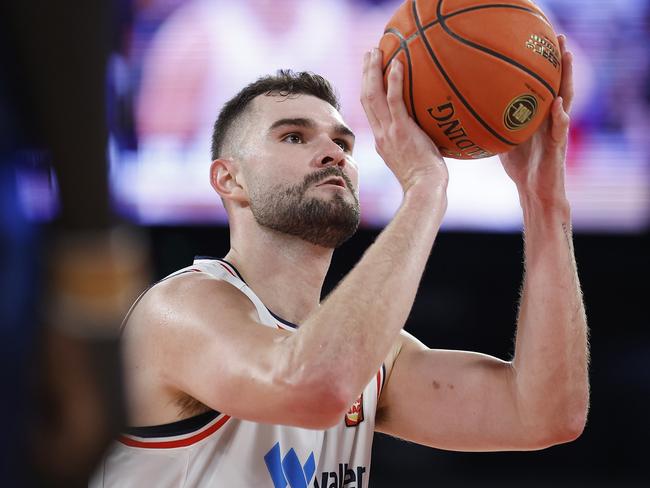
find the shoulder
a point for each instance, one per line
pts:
(193, 282)
(185, 300)
(173, 335)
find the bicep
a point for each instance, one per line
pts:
(454, 400)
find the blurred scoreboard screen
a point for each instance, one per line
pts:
(184, 59)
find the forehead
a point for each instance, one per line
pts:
(269, 108)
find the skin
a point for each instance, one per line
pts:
(196, 337)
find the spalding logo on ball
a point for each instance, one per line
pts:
(479, 76)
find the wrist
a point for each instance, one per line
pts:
(541, 194)
(536, 209)
(426, 192)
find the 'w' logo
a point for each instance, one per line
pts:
(288, 471)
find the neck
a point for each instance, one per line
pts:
(285, 272)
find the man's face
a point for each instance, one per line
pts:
(299, 171)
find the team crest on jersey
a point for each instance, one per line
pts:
(355, 415)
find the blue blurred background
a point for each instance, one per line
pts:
(177, 61)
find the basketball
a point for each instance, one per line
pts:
(479, 76)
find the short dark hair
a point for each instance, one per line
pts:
(283, 83)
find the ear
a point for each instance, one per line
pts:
(224, 178)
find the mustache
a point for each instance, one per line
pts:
(325, 173)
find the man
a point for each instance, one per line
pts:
(227, 391)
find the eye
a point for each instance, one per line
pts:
(342, 144)
(293, 138)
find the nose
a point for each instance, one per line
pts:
(332, 155)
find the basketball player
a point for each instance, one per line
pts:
(239, 377)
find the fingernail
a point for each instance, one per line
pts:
(375, 52)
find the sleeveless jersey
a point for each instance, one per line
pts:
(214, 449)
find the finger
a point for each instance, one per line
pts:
(374, 92)
(395, 96)
(372, 119)
(560, 122)
(561, 39)
(566, 86)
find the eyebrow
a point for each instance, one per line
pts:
(340, 129)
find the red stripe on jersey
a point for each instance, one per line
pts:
(282, 326)
(227, 269)
(188, 441)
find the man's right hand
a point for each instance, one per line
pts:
(403, 145)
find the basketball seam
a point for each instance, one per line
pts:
(420, 30)
(395, 32)
(427, 45)
(404, 46)
(426, 27)
(490, 52)
(481, 7)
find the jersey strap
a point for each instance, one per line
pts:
(381, 379)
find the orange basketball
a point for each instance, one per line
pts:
(479, 76)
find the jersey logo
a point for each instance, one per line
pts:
(355, 415)
(288, 470)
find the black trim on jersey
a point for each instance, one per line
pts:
(212, 258)
(285, 322)
(235, 269)
(180, 427)
(277, 317)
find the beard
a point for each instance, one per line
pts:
(326, 223)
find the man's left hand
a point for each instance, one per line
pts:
(537, 166)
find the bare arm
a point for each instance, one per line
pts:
(359, 322)
(551, 354)
(468, 401)
(212, 349)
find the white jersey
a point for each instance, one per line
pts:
(214, 449)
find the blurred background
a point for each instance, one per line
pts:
(171, 64)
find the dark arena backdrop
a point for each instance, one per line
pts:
(170, 65)
(468, 300)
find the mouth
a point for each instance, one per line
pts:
(335, 180)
